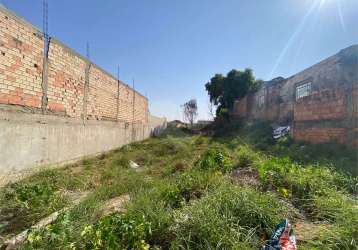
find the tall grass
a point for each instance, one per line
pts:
(183, 196)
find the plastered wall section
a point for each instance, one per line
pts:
(32, 141)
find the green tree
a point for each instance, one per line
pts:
(224, 90)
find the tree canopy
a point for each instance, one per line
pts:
(224, 90)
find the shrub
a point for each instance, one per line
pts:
(189, 186)
(215, 159)
(246, 157)
(118, 231)
(29, 201)
(169, 146)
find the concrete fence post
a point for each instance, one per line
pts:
(85, 91)
(44, 85)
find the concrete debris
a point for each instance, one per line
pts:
(134, 165)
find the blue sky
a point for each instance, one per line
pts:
(172, 48)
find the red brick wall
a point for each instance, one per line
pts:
(21, 53)
(328, 104)
(20, 63)
(323, 105)
(321, 134)
(65, 81)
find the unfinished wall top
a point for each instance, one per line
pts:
(75, 86)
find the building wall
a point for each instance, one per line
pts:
(329, 113)
(157, 125)
(326, 104)
(20, 62)
(88, 111)
(21, 72)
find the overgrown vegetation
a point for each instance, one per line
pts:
(183, 195)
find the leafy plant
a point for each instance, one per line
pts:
(215, 159)
(118, 231)
(224, 90)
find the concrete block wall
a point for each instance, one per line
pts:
(21, 73)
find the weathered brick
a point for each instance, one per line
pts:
(321, 134)
(21, 78)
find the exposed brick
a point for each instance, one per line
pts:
(21, 78)
(322, 105)
(321, 134)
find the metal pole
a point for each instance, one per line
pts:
(44, 100)
(117, 116)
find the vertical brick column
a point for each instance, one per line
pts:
(44, 100)
(117, 113)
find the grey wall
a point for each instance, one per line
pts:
(28, 141)
(156, 125)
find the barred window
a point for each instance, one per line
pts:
(303, 90)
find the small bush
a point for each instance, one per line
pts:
(120, 161)
(245, 157)
(118, 231)
(23, 203)
(215, 159)
(189, 186)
